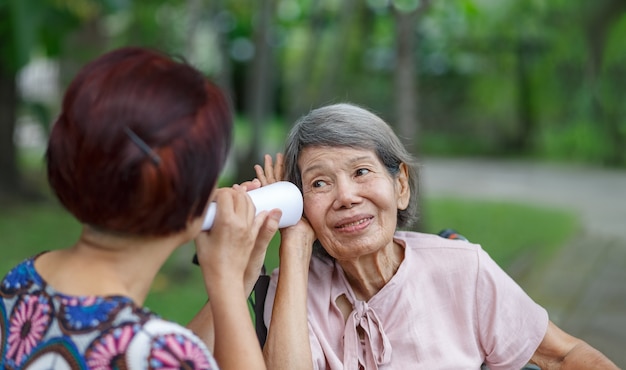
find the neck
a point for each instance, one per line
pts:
(368, 274)
(107, 264)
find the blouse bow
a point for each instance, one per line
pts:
(374, 349)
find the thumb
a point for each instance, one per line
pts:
(269, 227)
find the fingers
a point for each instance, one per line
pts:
(270, 172)
(279, 167)
(234, 207)
(260, 174)
(243, 202)
(224, 251)
(265, 174)
(251, 185)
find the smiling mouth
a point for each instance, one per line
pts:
(354, 223)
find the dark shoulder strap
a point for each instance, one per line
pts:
(260, 293)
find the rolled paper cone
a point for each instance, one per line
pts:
(283, 195)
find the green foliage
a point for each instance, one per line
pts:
(453, 144)
(616, 44)
(39, 26)
(549, 46)
(153, 23)
(273, 133)
(469, 57)
(28, 230)
(579, 141)
(178, 295)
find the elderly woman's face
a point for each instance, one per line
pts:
(350, 199)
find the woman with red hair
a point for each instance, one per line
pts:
(134, 156)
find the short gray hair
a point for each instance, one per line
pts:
(348, 125)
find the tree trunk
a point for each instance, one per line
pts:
(193, 20)
(299, 97)
(332, 77)
(405, 74)
(260, 89)
(80, 46)
(405, 79)
(224, 76)
(523, 140)
(405, 83)
(9, 175)
(599, 25)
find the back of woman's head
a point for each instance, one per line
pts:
(348, 125)
(139, 143)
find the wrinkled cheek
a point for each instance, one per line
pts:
(313, 212)
(321, 232)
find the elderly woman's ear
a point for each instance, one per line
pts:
(403, 190)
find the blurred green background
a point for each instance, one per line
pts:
(533, 79)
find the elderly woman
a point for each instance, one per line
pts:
(354, 292)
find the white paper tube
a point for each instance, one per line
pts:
(282, 194)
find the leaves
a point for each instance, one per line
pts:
(39, 26)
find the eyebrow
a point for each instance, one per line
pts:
(312, 169)
(316, 167)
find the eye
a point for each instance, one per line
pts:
(319, 183)
(362, 171)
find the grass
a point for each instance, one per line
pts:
(27, 230)
(505, 230)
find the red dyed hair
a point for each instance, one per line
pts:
(98, 164)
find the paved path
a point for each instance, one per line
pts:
(584, 286)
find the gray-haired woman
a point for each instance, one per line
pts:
(374, 297)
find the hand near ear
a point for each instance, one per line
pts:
(270, 172)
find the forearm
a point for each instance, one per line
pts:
(236, 345)
(202, 323)
(561, 351)
(287, 345)
(202, 326)
(583, 356)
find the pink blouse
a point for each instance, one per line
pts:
(449, 306)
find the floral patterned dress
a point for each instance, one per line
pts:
(44, 329)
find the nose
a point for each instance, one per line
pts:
(346, 194)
